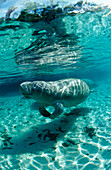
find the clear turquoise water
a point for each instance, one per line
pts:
(66, 46)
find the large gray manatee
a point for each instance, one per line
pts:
(66, 92)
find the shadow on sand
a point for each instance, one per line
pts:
(43, 136)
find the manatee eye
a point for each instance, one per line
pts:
(34, 86)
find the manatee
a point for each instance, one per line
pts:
(59, 94)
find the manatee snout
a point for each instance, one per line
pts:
(26, 89)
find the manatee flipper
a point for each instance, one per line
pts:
(58, 110)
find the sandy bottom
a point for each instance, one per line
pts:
(78, 139)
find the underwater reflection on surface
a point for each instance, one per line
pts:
(63, 43)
